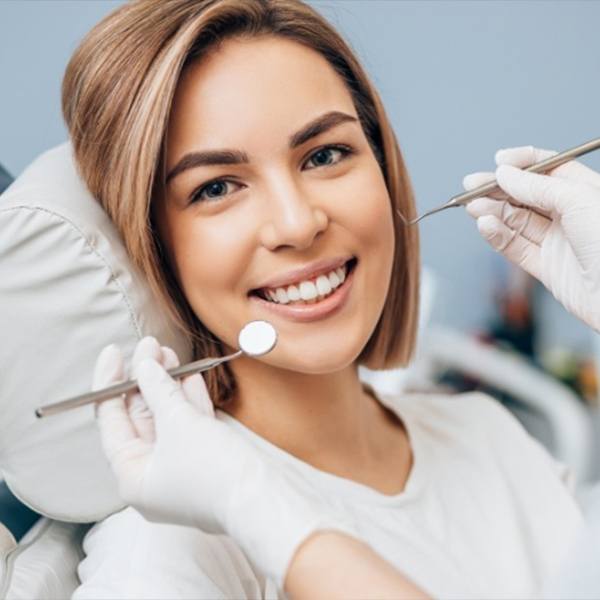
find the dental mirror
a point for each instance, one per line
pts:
(255, 339)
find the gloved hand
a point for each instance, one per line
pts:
(176, 463)
(550, 225)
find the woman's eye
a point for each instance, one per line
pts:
(214, 190)
(220, 188)
(329, 155)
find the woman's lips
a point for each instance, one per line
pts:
(304, 313)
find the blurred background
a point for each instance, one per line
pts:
(459, 81)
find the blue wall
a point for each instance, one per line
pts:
(459, 80)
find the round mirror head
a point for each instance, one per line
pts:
(257, 338)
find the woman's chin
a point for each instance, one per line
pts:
(315, 361)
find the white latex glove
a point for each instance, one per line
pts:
(176, 463)
(550, 226)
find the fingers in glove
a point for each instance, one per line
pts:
(196, 392)
(139, 412)
(542, 192)
(529, 224)
(513, 246)
(163, 394)
(474, 180)
(193, 386)
(116, 428)
(170, 360)
(108, 368)
(524, 156)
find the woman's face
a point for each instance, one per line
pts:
(274, 195)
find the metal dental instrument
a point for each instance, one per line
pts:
(492, 186)
(255, 339)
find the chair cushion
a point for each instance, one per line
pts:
(44, 564)
(67, 289)
(7, 543)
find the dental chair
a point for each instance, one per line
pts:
(15, 518)
(32, 546)
(67, 289)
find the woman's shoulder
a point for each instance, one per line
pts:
(467, 409)
(477, 423)
(129, 557)
(474, 419)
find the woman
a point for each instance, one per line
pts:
(250, 167)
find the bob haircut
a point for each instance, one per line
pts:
(116, 99)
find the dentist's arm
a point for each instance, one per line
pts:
(175, 463)
(550, 226)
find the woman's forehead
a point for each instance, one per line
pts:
(271, 83)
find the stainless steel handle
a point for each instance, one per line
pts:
(118, 389)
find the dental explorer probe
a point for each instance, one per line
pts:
(492, 186)
(255, 339)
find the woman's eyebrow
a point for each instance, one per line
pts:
(318, 126)
(235, 157)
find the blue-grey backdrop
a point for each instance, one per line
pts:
(459, 80)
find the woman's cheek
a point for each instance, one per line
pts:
(368, 209)
(212, 261)
(374, 228)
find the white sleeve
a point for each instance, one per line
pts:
(567, 476)
(128, 557)
(579, 576)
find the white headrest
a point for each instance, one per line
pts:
(67, 289)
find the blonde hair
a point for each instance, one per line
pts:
(116, 99)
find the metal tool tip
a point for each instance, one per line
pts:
(402, 217)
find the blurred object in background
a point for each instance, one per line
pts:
(596, 352)
(577, 370)
(514, 325)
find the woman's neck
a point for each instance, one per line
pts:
(327, 420)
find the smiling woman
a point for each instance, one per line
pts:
(279, 118)
(251, 170)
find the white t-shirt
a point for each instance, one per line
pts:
(485, 513)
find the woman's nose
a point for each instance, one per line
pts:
(292, 220)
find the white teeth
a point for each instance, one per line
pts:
(293, 293)
(282, 296)
(334, 280)
(308, 290)
(323, 285)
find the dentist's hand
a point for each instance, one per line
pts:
(550, 226)
(176, 463)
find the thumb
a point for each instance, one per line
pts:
(108, 368)
(549, 194)
(161, 392)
